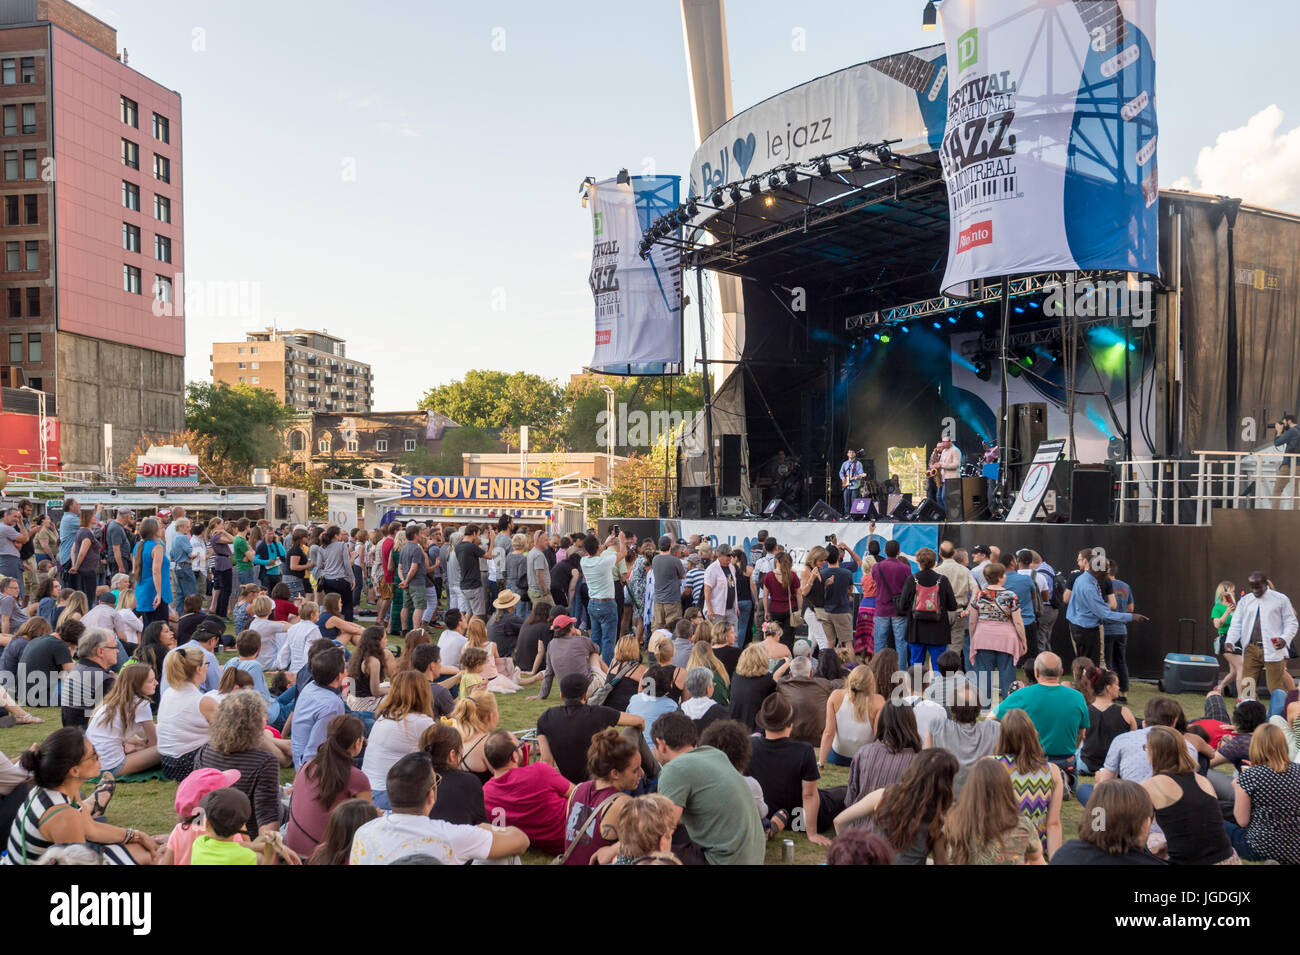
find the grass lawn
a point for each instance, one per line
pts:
(149, 806)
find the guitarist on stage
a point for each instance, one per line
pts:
(850, 471)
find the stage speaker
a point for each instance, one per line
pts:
(665, 510)
(929, 512)
(730, 465)
(865, 509)
(731, 506)
(1028, 424)
(821, 511)
(900, 507)
(869, 469)
(696, 502)
(777, 508)
(1090, 495)
(965, 499)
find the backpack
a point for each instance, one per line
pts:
(925, 605)
(1057, 587)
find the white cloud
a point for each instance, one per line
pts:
(1256, 162)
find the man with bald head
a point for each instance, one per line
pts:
(1058, 712)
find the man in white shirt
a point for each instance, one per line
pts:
(762, 567)
(1262, 629)
(453, 639)
(408, 830)
(720, 589)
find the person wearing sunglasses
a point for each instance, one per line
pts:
(52, 814)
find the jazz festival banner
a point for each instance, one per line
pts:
(638, 301)
(1049, 151)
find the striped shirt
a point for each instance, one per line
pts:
(259, 780)
(27, 845)
(875, 767)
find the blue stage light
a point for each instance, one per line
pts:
(906, 330)
(876, 336)
(1020, 310)
(1034, 304)
(979, 313)
(952, 319)
(937, 325)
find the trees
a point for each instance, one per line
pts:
(241, 427)
(639, 403)
(488, 399)
(455, 442)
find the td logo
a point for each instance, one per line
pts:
(968, 49)
(598, 221)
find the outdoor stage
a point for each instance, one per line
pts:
(1172, 570)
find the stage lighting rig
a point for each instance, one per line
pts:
(755, 186)
(791, 176)
(735, 193)
(774, 182)
(716, 196)
(824, 167)
(929, 17)
(623, 178)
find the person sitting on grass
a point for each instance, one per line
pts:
(473, 660)
(645, 832)
(533, 796)
(371, 666)
(340, 831)
(122, 729)
(1122, 840)
(188, 795)
(985, 826)
(298, 639)
(1266, 815)
(787, 770)
(52, 814)
(1186, 805)
(184, 714)
(859, 847)
(402, 718)
(1039, 784)
(243, 612)
(460, 793)
(613, 769)
(426, 660)
(412, 788)
(475, 717)
(318, 702)
(698, 702)
(331, 623)
(225, 813)
(238, 741)
(248, 646)
(271, 631)
(331, 778)
(910, 813)
(565, 733)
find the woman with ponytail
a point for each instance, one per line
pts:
(1107, 718)
(475, 717)
(330, 778)
(614, 765)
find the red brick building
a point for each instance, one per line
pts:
(90, 190)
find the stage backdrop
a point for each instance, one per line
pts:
(1049, 148)
(638, 301)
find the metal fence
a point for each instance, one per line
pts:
(1188, 491)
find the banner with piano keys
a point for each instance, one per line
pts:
(1049, 150)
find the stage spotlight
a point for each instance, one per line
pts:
(791, 177)
(735, 193)
(983, 368)
(755, 186)
(1020, 310)
(1034, 303)
(884, 339)
(876, 336)
(929, 18)
(884, 155)
(937, 325)
(769, 200)
(855, 161)
(952, 319)
(979, 313)
(824, 167)
(906, 330)
(692, 208)
(623, 177)
(774, 182)
(716, 196)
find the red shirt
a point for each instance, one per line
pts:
(385, 550)
(284, 609)
(532, 798)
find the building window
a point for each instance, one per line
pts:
(324, 445)
(241, 365)
(131, 279)
(29, 118)
(36, 383)
(162, 168)
(130, 194)
(34, 347)
(29, 69)
(381, 445)
(161, 129)
(297, 442)
(410, 444)
(15, 303)
(30, 209)
(162, 208)
(11, 120)
(241, 381)
(13, 257)
(162, 248)
(257, 381)
(8, 72)
(29, 164)
(130, 154)
(11, 164)
(15, 348)
(11, 210)
(257, 364)
(162, 288)
(252, 350)
(240, 350)
(33, 256)
(33, 303)
(130, 112)
(130, 237)
(352, 445)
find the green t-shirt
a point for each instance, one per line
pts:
(243, 554)
(1218, 611)
(209, 851)
(1058, 713)
(718, 807)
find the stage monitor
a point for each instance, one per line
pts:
(779, 510)
(930, 512)
(821, 511)
(865, 507)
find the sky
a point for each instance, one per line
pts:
(405, 175)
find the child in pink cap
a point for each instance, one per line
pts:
(188, 795)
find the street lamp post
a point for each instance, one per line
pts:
(40, 414)
(610, 429)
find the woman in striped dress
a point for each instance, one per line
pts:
(52, 813)
(1038, 784)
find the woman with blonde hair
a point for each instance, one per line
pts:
(779, 596)
(645, 831)
(1038, 783)
(75, 610)
(122, 729)
(1266, 811)
(184, 712)
(128, 621)
(475, 717)
(1185, 803)
(812, 595)
(851, 714)
(498, 670)
(663, 651)
(625, 673)
(236, 743)
(402, 718)
(985, 826)
(775, 646)
(753, 683)
(702, 655)
(1225, 604)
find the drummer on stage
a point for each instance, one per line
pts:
(850, 471)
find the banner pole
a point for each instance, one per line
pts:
(1003, 456)
(708, 384)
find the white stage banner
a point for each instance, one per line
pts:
(1049, 151)
(638, 301)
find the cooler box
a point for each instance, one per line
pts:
(1189, 673)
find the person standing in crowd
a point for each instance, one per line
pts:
(1088, 609)
(963, 588)
(539, 572)
(1116, 634)
(837, 577)
(180, 552)
(997, 634)
(744, 599)
(335, 570)
(927, 599)
(413, 575)
(242, 553)
(720, 590)
(269, 559)
(1225, 605)
(1286, 440)
(889, 576)
(980, 559)
(598, 570)
(1028, 597)
(714, 811)
(84, 568)
(151, 574)
(779, 596)
(1263, 626)
(68, 524)
(45, 540)
(223, 567)
(13, 535)
(468, 555)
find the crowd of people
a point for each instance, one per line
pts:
(702, 691)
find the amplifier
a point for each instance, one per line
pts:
(731, 506)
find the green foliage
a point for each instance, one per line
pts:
(455, 442)
(487, 399)
(242, 427)
(586, 401)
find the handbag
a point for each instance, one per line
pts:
(601, 693)
(796, 619)
(561, 859)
